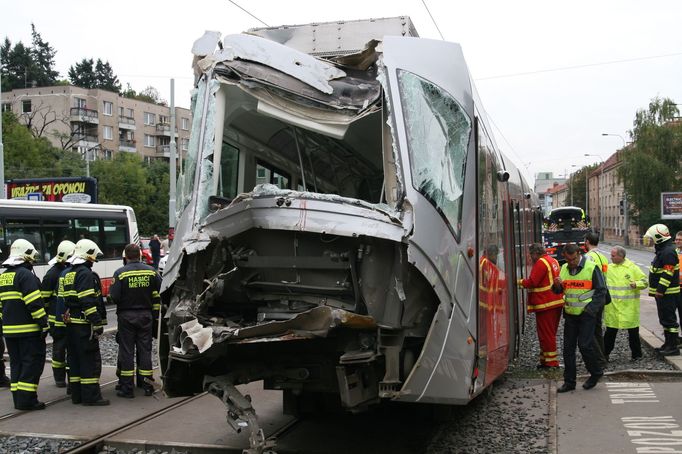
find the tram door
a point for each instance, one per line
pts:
(518, 308)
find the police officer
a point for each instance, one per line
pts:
(664, 285)
(50, 292)
(4, 379)
(24, 324)
(84, 324)
(135, 291)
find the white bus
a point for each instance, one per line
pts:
(46, 224)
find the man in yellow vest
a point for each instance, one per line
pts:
(584, 295)
(591, 243)
(625, 280)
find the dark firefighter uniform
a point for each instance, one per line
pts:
(135, 290)
(85, 318)
(50, 292)
(664, 280)
(25, 325)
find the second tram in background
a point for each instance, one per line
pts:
(350, 232)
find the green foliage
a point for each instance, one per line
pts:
(652, 164)
(88, 74)
(24, 66)
(149, 94)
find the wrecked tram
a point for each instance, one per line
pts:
(349, 231)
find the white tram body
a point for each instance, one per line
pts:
(349, 231)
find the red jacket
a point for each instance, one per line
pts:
(539, 285)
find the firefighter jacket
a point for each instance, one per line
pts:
(82, 293)
(584, 288)
(136, 287)
(539, 285)
(623, 312)
(50, 292)
(664, 272)
(600, 259)
(679, 258)
(23, 310)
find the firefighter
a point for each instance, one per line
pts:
(135, 291)
(24, 324)
(678, 249)
(4, 379)
(625, 280)
(50, 292)
(544, 302)
(84, 324)
(664, 285)
(584, 294)
(591, 243)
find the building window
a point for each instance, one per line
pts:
(185, 124)
(149, 118)
(184, 144)
(108, 108)
(80, 103)
(26, 106)
(108, 133)
(164, 119)
(6, 107)
(131, 113)
(149, 141)
(107, 154)
(120, 111)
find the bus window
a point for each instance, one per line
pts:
(27, 229)
(54, 231)
(115, 238)
(87, 228)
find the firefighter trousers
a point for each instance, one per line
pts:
(26, 362)
(666, 307)
(547, 323)
(85, 363)
(59, 354)
(2, 356)
(135, 334)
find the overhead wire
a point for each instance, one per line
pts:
(248, 12)
(432, 19)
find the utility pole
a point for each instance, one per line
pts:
(2, 150)
(173, 163)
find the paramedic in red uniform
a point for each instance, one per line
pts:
(545, 303)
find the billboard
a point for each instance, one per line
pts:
(58, 189)
(671, 205)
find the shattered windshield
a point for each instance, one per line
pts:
(438, 132)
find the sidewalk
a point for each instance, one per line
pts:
(650, 330)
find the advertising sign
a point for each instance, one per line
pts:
(671, 205)
(59, 189)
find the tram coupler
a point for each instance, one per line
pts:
(240, 413)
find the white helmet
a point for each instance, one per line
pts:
(86, 250)
(21, 251)
(65, 250)
(657, 233)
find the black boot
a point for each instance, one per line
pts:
(670, 347)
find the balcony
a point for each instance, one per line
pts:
(163, 129)
(127, 145)
(126, 123)
(163, 150)
(83, 115)
(87, 140)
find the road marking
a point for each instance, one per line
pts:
(655, 433)
(626, 393)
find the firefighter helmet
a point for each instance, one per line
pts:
(22, 251)
(656, 234)
(65, 250)
(86, 250)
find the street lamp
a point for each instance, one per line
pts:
(626, 236)
(599, 198)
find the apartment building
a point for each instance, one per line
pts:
(543, 182)
(99, 123)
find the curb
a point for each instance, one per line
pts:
(652, 341)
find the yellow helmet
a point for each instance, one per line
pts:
(87, 250)
(65, 250)
(23, 250)
(656, 234)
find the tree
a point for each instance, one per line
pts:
(43, 60)
(149, 94)
(83, 74)
(652, 164)
(105, 77)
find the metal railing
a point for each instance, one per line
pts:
(126, 120)
(83, 113)
(126, 143)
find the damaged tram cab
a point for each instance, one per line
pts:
(340, 190)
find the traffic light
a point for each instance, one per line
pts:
(621, 204)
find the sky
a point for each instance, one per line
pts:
(552, 76)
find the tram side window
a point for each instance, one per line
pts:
(229, 168)
(27, 229)
(271, 175)
(115, 238)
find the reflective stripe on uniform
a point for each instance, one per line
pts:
(19, 329)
